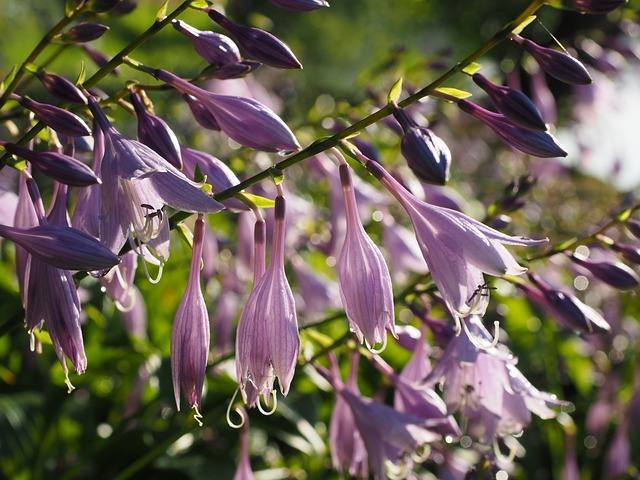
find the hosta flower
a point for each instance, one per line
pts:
(267, 340)
(245, 120)
(136, 184)
(364, 280)
(457, 248)
(215, 48)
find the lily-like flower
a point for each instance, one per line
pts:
(457, 248)
(245, 120)
(364, 280)
(190, 334)
(512, 103)
(137, 184)
(56, 118)
(534, 142)
(267, 340)
(300, 5)
(261, 45)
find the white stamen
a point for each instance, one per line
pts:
(273, 409)
(237, 410)
(70, 387)
(197, 416)
(476, 342)
(379, 350)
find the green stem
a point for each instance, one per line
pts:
(39, 48)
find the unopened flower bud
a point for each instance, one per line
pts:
(58, 166)
(617, 274)
(201, 113)
(102, 6)
(261, 45)
(629, 252)
(61, 87)
(534, 142)
(512, 103)
(559, 65)
(633, 226)
(56, 118)
(84, 32)
(594, 7)
(300, 5)
(215, 48)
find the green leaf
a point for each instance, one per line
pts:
(30, 67)
(185, 233)
(523, 25)
(199, 4)
(162, 13)
(277, 175)
(82, 75)
(257, 200)
(454, 92)
(395, 92)
(472, 68)
(8, 79)
(624, 215)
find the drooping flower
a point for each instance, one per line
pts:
(136, 184)
(245, 120)
(190, 334)
(364, 280)
(267, 340)
(457, 248)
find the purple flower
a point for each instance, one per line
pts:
(56, 118)
(137, 183)
(364, 280)
(156, 134)
(243, 471)
(457, 248)
(300, 5)
(559, 65)
(215, 48)
(261, 45)
(190, 334)
(629, 252)
(595, 7)
(267, 340)
(512, 103)
(534, 142)
(245, 120)
(617, 274)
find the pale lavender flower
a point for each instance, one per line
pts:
(319, 293)
(267, 340)
(118, 284)
(457, 248)
(134, 318)
(619, 453)
(60, 120)
(245, 120)
(86, 216)
(364, 280)
(403, 250)
(300, 5)
(137, 184)
(190, 333)
(261, 45)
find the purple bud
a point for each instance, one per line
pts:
(58, 166)
(102, 6)
(617, 274)
(594, 7)
(156, 134)
(62, 247)
(61, 87)
(215, 48)
(56, 118)
(84, 32)
(534, 142)
(201, 113)
(300, 5)
(512, 103)
(629, 252)
(261, 45)
(232, 70)
(634, 227)
(99, 58)
(558, 64)
(124, 7)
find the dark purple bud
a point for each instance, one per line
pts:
(261, 45)
(594, 7)
(123, 8)
(617, 274)
(215, 48)
(99, 58)
(534, 142)
(566, 309)
(201, 113)
(62, 247)
(61, 87)
(629, 252)
(499, 222)
(300, 5)
(84, 32)
(558, 64)
(55, 165)
(102, 6)
(634, 227)
(156, 134)
(56, 118)
(512, 103)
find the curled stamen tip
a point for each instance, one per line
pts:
(239, 411)
(273, 408)
(197, 416)
(377, 351)
(70, 387)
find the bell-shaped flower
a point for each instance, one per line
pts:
(512, 103)
(565, 308)
(156, 134)
(616, 274)
(261, 45)
(363, 276)
(56, 118)
(427, 155)
(559, 65)
(245, 120)
(215, 48)
(457, 248)
(300, 5)
(267, 340)
(534, 142)
(137, 184)
(190, 334)
(57, 166)
(60, 87)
